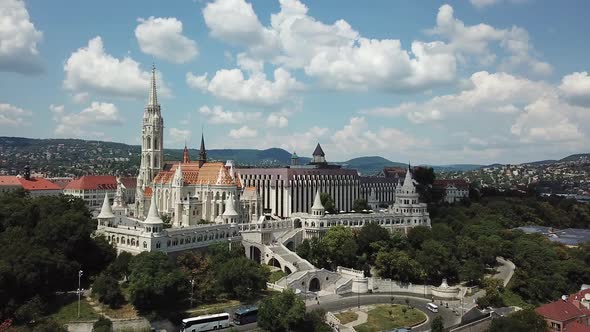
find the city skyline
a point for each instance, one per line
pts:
(433, 83)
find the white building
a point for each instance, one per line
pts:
(93, 188)
(405, 213)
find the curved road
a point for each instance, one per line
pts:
(352, 301)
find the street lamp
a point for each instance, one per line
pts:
(80, 273)
(192, 290)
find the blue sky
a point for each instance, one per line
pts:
(473, 81)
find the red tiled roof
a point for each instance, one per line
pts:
(38, 184)
(559, 310)
(129, 182)
(61, 182)
(576, 327)
(459, 183)
(89, 182)
(147, 192)
(9, 181)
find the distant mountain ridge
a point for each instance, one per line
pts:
(84, 150)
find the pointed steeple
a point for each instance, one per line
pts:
(153, 96)
(185, 157)
(106, 211)
(153, 214)
(408, 181)
(318, 208)
(230, 210)
(202, 152)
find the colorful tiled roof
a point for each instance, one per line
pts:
(93, 182)
(193, 174)
(559, 310)
(9, 181)
(147, 192)
(38, 184)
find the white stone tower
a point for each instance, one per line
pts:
(152, 145)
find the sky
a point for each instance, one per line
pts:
(470, 81)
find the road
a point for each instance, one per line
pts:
(505, 270)
(337, 303)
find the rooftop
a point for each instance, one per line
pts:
(560, 311)
(38, 184)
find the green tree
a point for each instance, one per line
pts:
(103, 324)
(369, 236)
(417, 236)
(341, 246)
(523, 320)
(493, 297)
(328, 202)
(437, 324)
(120, 267)
(107, 289)
(155, 283)
(242, 277)
(471, 271)
(281, 311)
(199, 268)
(360, 204)
(397, 265)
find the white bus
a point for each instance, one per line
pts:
(432, 307)
(205, 323)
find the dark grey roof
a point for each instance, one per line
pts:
(318, 151)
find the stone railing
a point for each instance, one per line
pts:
(350, 272)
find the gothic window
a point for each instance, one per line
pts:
(156, 144)
(168, 243)
(158, 244)
(144, 244)
(148, 142)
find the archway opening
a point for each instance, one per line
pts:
(314, 285)
(287, 270)
(290, 245)
(274, 262)
(297, 223)
(255, 254)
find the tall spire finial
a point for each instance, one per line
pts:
(203, 151)
(153, 96)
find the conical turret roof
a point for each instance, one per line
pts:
(317, 202)
(230, 210)
(153, 96)
(318, 151)
(106, 211)
(153, 214)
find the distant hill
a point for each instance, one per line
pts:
(243, 157)
(369, 165)
(456, 167)
(576, 157)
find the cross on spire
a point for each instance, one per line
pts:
(153, 96)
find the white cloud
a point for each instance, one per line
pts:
(163, 38)
(18, 39)
(217, 115)
(81, 97)
(545, 120)
(358, 136)
(498, 92)
(476, 40)
(335, 53)
(230, 84)
(277, 120)
(301, 142)
(84, 123)
(488, 3)
(575, 88)
(11, 115)
(90, 69)
(243, 132)
(177, 135)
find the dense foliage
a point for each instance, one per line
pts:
(281, 311)
(524, 320)
(463, 244)
(45, 241)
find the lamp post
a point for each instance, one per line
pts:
(192, 290)
(80, 273)
(358, 295)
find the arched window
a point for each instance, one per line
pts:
(144, 244)
(156, 145)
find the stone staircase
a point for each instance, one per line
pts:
(291, 257)
(288, 235)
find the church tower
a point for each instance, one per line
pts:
(152, 145)
(202, 152)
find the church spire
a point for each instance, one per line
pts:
(202, 152)
(185, 157)
(153, 96)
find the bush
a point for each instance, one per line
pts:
(103, 324)
(107, 288)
